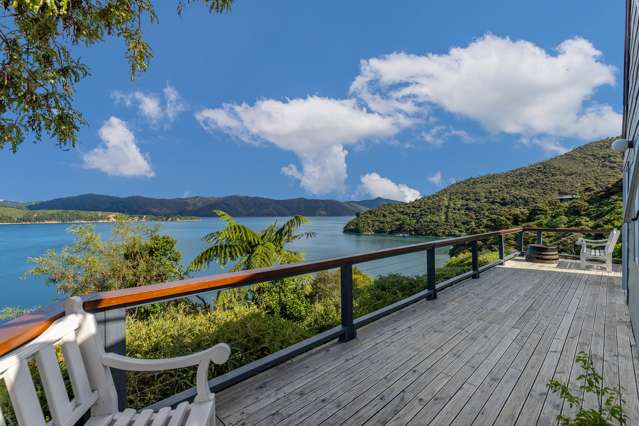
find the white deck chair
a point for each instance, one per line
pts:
(89, 369)
(598, 252)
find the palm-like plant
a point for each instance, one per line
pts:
(248, 248)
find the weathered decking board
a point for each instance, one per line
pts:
(482, 353)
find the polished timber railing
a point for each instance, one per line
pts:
(110, 307)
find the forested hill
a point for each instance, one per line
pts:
(587, 178)
(235, 205)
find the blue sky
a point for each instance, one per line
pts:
(336, 100)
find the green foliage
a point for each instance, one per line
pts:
(609, 410)
(324, 315)
(136, 255)
(387, 289)
(248, 248)
(10, 313)
(286, 298)
(39, 72)
(235, 205)
(461, 263)
(528, 195)
(178, 330)
(22, 214)
(326, 285)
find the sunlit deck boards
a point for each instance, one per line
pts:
(482, 353)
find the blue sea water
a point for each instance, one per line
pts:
(19, 242)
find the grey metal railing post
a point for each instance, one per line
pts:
(502, 248)
(521, 244)
(540, 237)
(475, 258)
(346, 287)
(431, 274)
(113, 327)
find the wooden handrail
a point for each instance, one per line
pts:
(21, 330)
(25, 328)
(569, 230)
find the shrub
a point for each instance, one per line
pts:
(135, 255)
(385, 290)
(461, 263)
(323, 315)
(286, 298)
(180, 329)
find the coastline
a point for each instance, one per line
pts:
(58, 222)
(81, 222)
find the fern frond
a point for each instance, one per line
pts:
(286, 232)
(236, 233)
(303, 235)
(221, 253)
(263, 256)
(225, 216)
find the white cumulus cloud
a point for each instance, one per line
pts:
(438, 135)
(548, 145)
(379, 186)
(316, 129)
(151, 107)
(118, 154)
(510, 86)
(437, 178)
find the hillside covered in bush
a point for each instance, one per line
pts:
(581, 188)
(235, 205)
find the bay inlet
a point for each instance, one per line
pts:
(19, 242)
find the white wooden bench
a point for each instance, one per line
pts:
(598, 252)
(89, 370)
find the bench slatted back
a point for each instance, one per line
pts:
(612, 241)
(17, 375)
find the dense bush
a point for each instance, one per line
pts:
(286, 298)
(387, 289)
(461, 263)
(182, 329)
(525, 196)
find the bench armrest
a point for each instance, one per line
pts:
(218, 354)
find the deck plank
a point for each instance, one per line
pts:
(482, 353)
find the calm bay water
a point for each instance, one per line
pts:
(19, 242)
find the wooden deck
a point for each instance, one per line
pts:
(482, 353)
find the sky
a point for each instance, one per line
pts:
(335, 99)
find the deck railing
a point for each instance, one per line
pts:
(110, 307)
